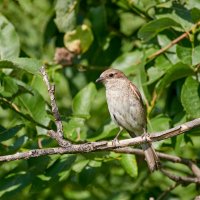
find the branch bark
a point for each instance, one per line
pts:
(108, 145)
(58, 135)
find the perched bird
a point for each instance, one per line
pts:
(127, 110)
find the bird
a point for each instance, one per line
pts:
(127, 110)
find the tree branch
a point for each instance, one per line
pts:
(173, 42)
(121, 146)
(58, 135)
(108, 145)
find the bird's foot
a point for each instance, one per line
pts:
(146, 136)
(115, 141)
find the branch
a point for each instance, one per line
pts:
(180, 179)
(67, 148)
(178, 39)
(165, 193)
(107, 145)
(58, 135)
(174, 159)
(195, 169)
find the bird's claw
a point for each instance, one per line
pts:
(146, 136)
(115, 141)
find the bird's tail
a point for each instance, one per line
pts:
(151, 157)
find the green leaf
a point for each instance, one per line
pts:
(151, 29)
(184, 54)
(190, 56)
(159, 123)
(9, 40)
(162, 64)
(129, 163)
(129, 23)
(79, 40)
(75, 128)
(176, 72)
(66, 14)
(109, 130)
(30, 65)
(63, 164)
(196, 55)
(9, 86)
(154, 73)
(34, 106)
(190, 97)
(82, 102)
(14, 183)
(126, 61)
(79, 166)
(99, 24)
(9, 133)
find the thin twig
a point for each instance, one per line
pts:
(180, 179)
(166, 192)
(173, 42)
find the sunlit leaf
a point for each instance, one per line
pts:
(83, 100)
(30, 65)
(79, 40)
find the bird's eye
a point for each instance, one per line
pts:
(111, 75)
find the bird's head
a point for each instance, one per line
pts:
(110, 75)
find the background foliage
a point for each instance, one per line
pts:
(99, 34)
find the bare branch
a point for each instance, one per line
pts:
(166, 192)
(180, 179)
(58, 135)
(189, 163)
(107, 145)
(178, 39)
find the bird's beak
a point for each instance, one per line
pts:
(99, 80)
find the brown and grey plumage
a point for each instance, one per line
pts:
(126, 109)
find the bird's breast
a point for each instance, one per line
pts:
(125, 109)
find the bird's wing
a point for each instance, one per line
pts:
(136, 92)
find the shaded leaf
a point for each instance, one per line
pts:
(128, 162)
(14, 183)
(151, 29)
(9, 133)
(9, 40)
(159, 123)
(190, 97)
(65, 15)
(176, 72)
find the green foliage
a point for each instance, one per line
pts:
(122, 34)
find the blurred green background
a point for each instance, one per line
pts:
(77, 40)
